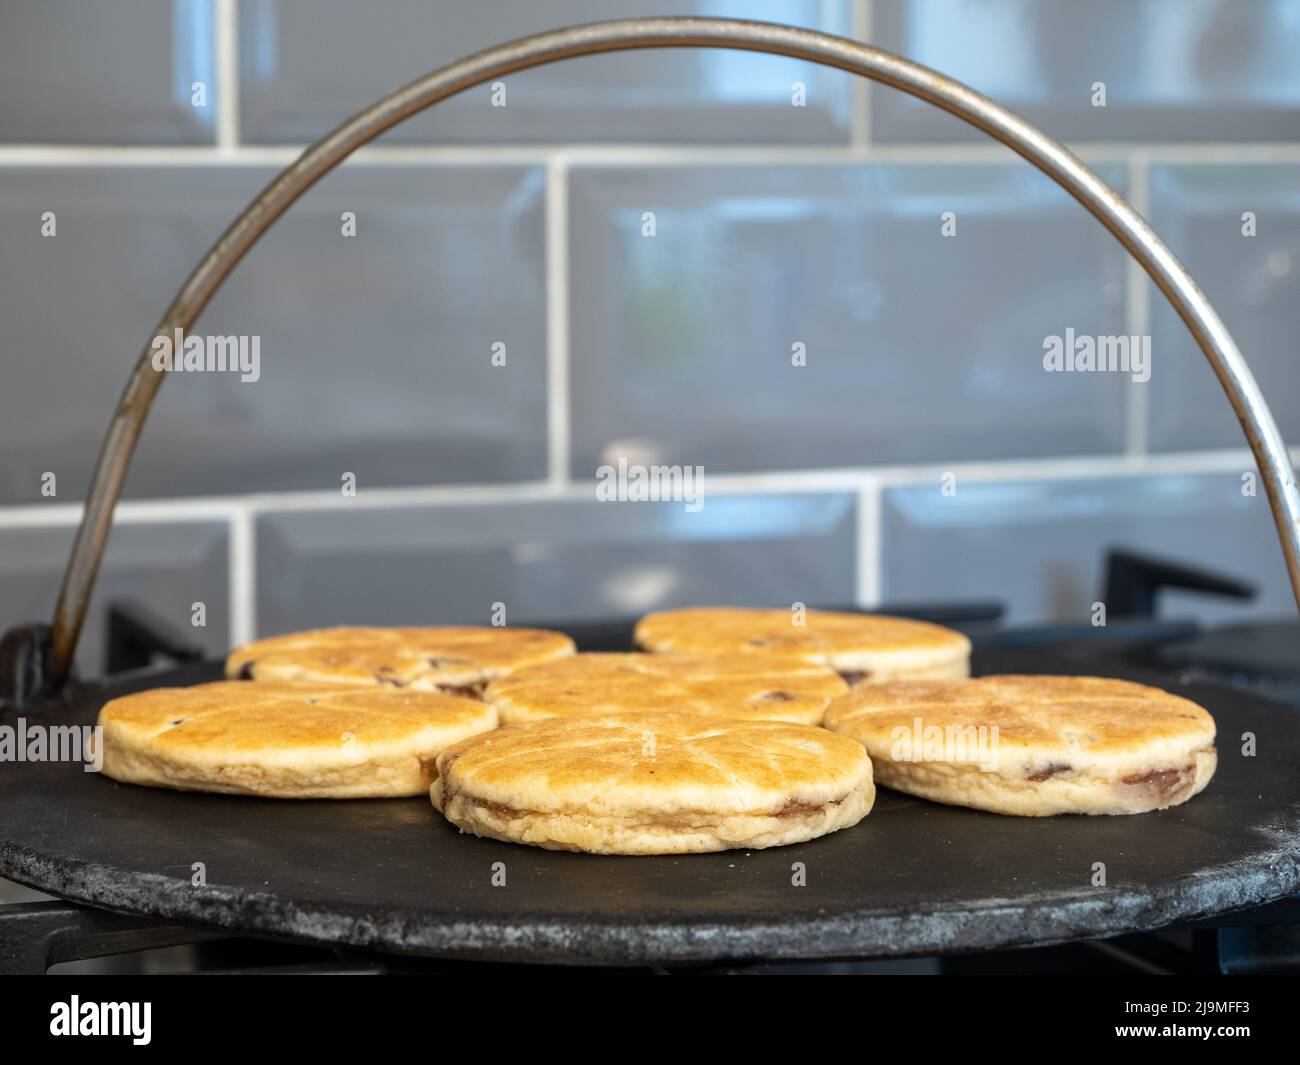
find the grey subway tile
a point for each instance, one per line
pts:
(551, 561)
(166, 568)
(1172, 70)
(376, 350)
(1252, 282)
(305, 65)
(1038, 546)
(118, 73)
(919, 347)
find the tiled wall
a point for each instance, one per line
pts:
(525, 226)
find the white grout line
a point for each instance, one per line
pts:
(1075, 467)
(1192, 462)
(226, 40)
(641, 155)
(557, 321)
(130, 512)
(860, 91)
(71, 155)
(849, 479)
(1138, 310)
(869, 588)
(613, 155)
(243, 576)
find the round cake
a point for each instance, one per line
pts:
(285, 741)
(862, 648)
(654, 783)
(462, 660)
(1033, 745)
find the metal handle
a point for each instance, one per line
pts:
(1046, 154)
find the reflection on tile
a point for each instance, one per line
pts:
(1252, 282)
(1039, 545)
(918, 347)
(376, 350)
(549, 561)
(305, 65)
(1202, 70)
(124, 72)
(165, 568)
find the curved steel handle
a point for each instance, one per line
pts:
(1046, 154)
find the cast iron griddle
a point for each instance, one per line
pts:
(913, 878)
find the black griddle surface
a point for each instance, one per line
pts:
(1258, 649)
(913, 878)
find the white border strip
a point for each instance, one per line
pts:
(860, 89)
(226, 46)
(557, 321)
(1137, 310)
(868, 583)
(242, 567)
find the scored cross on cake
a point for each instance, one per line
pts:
(757, 687)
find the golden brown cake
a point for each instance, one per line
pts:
(463, 660)
(285, 741)
(1033, 745)
(656, 783)
(863, 648)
